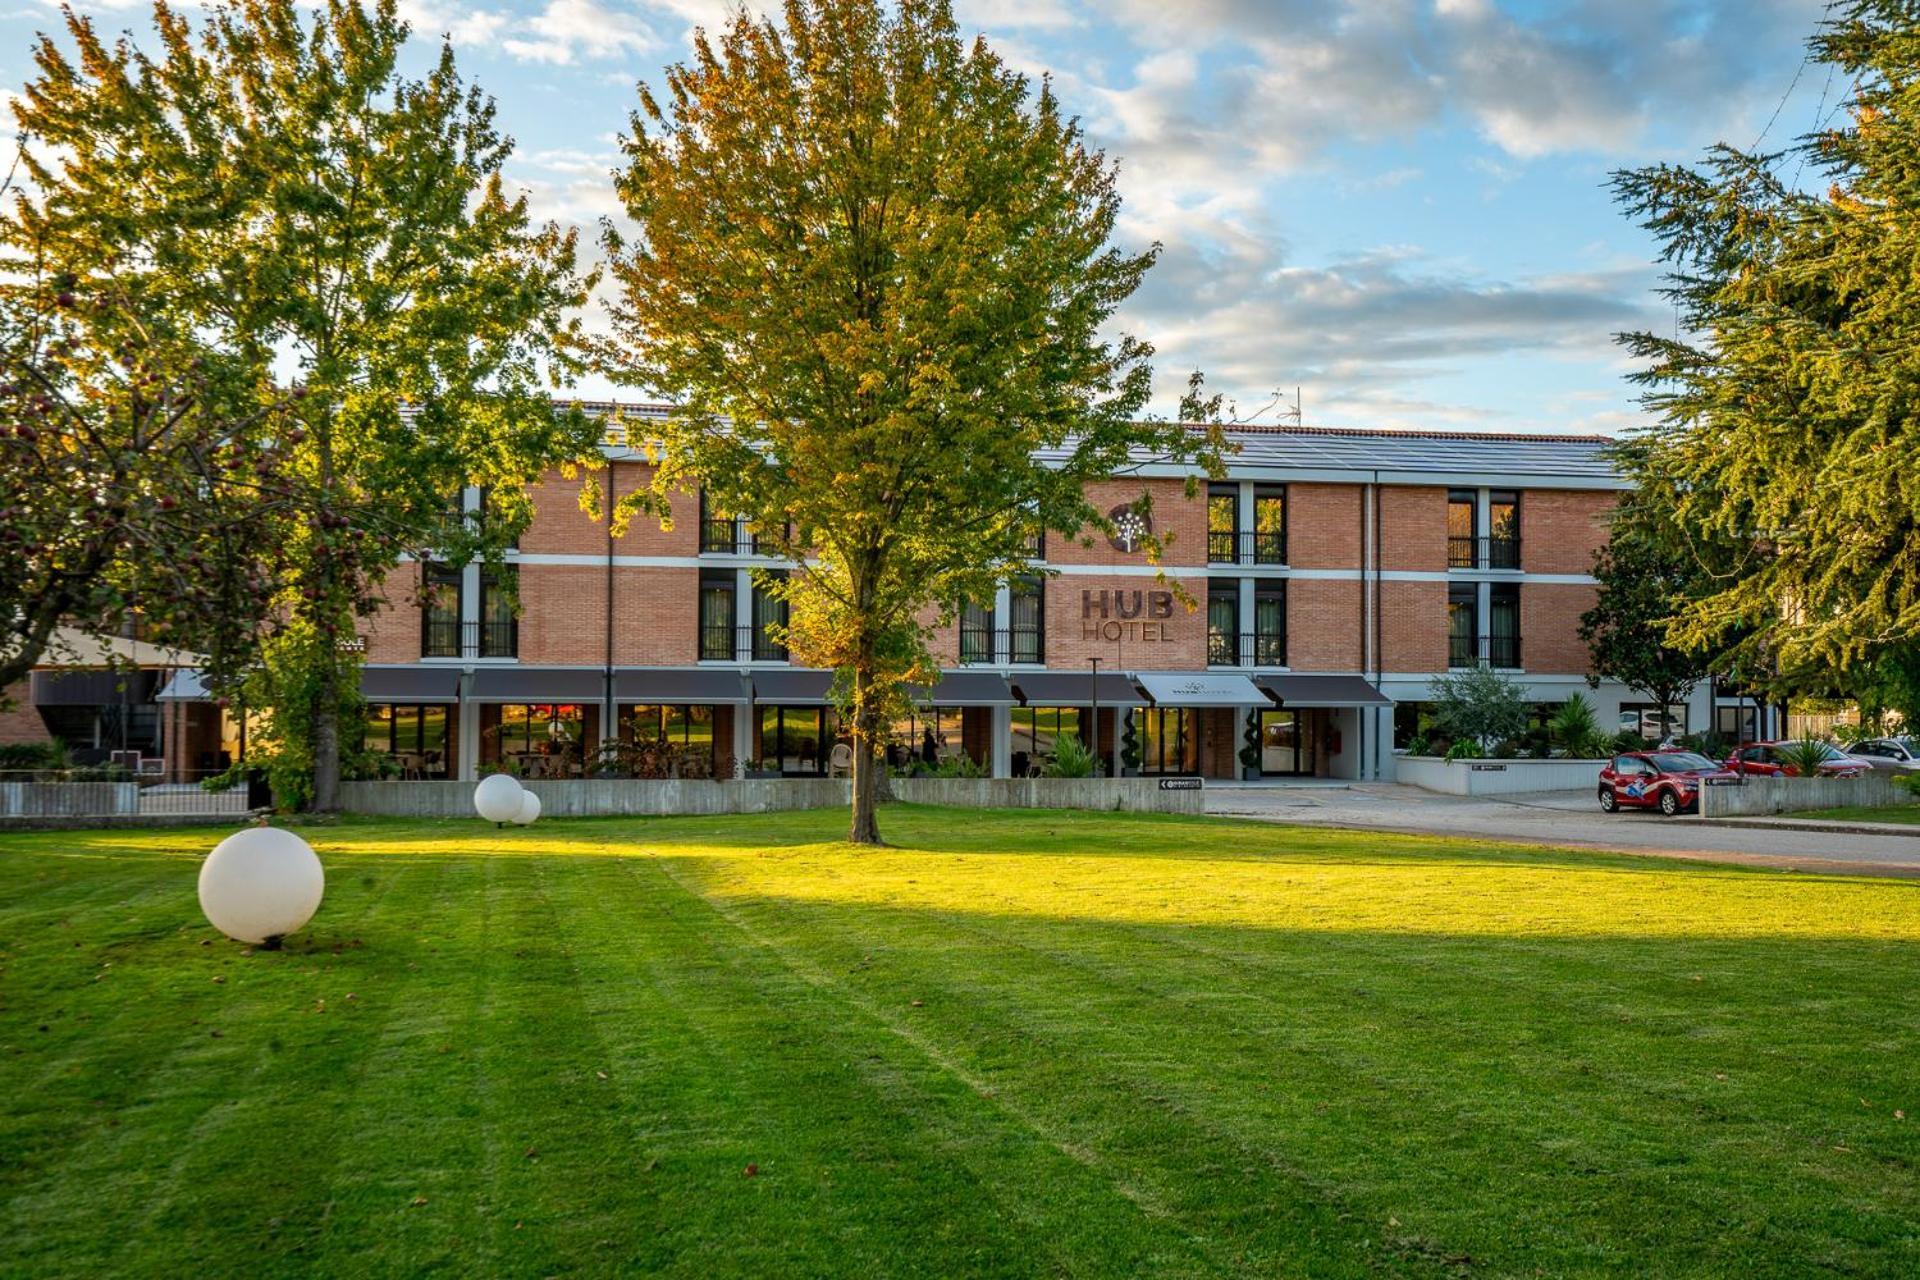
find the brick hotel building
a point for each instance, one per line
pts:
(1333, 574)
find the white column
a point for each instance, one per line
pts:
(1000, 761)
(469, 731)
(1244, 627)
(743, 736)
(1002, 638)
(743, 614)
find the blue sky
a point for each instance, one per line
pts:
(1399, 206)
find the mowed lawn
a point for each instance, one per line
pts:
(1862, 813)
(1017, 1044)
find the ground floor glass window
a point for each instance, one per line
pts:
(1169, 739)
(796, 739)
(1036, 730)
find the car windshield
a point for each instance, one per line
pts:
(1831, 752)
(1681, 762)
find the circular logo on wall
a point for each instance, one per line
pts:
(1129, 528)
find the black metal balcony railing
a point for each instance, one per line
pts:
(727, 538)
(451, 638)
(1495, 651)
(1246, 547)
(1483, 553)
(984, 646)
(739, 644)
(1246, 649)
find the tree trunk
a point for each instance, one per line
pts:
(326, 739)
(865, 828)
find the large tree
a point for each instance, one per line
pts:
(271, 186)
(1788, 449)
(1646, 576)
(874, 269)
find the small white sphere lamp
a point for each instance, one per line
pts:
(261, 884)
(497, 798)
(529, 808)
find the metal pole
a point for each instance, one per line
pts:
(1096, 714)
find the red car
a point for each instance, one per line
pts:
(1669, 781)
(1765, 760)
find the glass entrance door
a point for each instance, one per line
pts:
(1282, 746)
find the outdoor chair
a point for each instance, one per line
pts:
(839, 760)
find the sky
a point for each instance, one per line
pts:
(1399, 207)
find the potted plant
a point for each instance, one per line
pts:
(1129, 752)
(1250, 749)
(761, 769)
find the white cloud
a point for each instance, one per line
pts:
(569, 29)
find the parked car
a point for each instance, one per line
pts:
(1768, 760)
(1900, 755)
(1669, 781)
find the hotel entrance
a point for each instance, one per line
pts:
(1285, 749)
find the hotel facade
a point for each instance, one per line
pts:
(1325, 582)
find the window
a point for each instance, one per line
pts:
(1269, 524)
(717, 532)
(1168, 741)
(499, 629)
(1739, 723)
(796, 739)
(679, 725)
(1463, 519)
(1463, 624)
(1411, 720)
(1027, 609)
(1270, 623)
(926, 735)
(408, 729)
(1651, 722)
(485, 512)
(1503, 529)
(1503, 624)
(541, 729)
(439, 611)
(1223, 523)
(976, 633)
(1223, 624)
(768, 611)
(1037, 730)
(716, 616)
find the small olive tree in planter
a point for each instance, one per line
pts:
(1480, 706)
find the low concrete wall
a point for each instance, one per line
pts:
(1132, 795)
(1498, 777)
(68, 799)
(623, 797)
(1793, 795)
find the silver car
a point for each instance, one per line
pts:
(1902, 755)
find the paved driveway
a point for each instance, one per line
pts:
(1566, 819)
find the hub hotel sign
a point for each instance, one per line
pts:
(1137, 616)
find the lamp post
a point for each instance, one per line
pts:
(1096, 715)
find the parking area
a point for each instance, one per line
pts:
(1568, 819)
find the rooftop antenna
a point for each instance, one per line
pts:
(1294, 413)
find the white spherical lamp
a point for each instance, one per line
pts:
(529, 808)
(261, 884)
(497, 798)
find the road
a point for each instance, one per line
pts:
(1567, 820)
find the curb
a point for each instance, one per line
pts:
(1910, 830)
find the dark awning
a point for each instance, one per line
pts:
(1075, 689)
(410, 684)
(538, 684)
(1201, 689)
(1323, 691)
(795, 688)
(695, 685)
(72, 688)
(964, 689)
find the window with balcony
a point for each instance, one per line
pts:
(1026, 620)
(499, 629)
(716, 616)
(1223, 624)
(1463, 624)
(1503, 530)
(1463, 527)
(1223, 523)
(1503, 624)
(976, 633)
(439, 611)
(1269, 525)
(769, 613)
(718, 530)
(1270, 624)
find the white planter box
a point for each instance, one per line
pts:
(1498, 777)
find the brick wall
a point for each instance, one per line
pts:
(1550, 628)
(1413, 528)
(1413, 626)
(19, 721)
(1323, 526)
(560, 528)
(1323, 624)
(1177, 641)
(393, 634)
(1560, 529)
(1181, 520)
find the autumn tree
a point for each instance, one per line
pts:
(1787, 453)
(873, 270)
(270, 185)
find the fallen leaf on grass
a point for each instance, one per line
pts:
(751, 1171)
(418, 1201)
